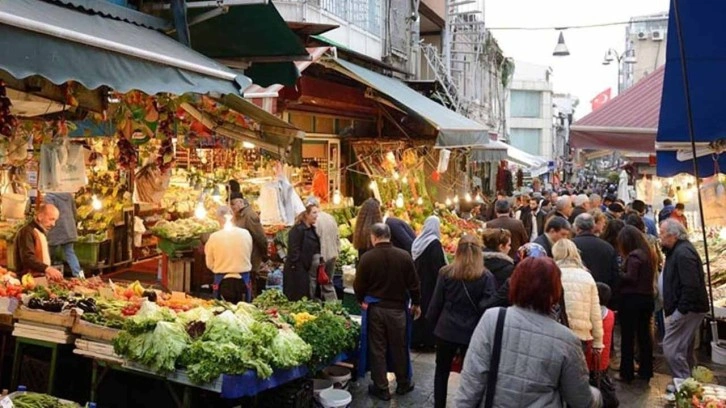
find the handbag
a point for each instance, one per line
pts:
(494, 364)
(600, 380)
(457, 363)
(322, 277)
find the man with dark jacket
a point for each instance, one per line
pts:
(667, 210)
(247, 218)
(384, 282)
(582, 205)
(556, 229)
(505, 221)
(685, 301)
(597, 255)
(544, 208)
(32, 254)
(639, 207)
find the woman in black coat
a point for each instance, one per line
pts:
(428, 256)
(497, 243)
(461, 290)
(303, 257)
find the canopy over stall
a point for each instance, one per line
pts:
(454, 130)
(705, 54)
(61, 44)
(497, 150)
(627, 122)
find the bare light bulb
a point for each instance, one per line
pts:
(396, 175)
(373, 185)
(336, 197)
(477, 198)
(399, 200)
(467, 198)
(248, 145)
(96, 204)
(722, 234)
(228, 222)
(419, 201)
(448, 202)
(456, 198)
(404, 180)
(199, 211)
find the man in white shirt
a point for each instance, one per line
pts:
(228, 255)
(327, 229)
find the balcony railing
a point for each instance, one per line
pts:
(364, 14)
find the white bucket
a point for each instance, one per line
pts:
(319, 385)
(13, 206)
(340, 376)
(334, 398)
(718, 353)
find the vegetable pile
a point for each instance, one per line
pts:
(34, 400)
(184, 230)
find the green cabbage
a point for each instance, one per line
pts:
(289, 350)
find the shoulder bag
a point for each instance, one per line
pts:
(494, 364)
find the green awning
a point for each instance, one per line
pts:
(117, 12)
(63, 44)
(271, 73)
(454, 129)
(254, 31)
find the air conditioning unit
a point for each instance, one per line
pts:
(656, 35)
(642, 35)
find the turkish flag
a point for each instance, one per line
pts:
(601, 99)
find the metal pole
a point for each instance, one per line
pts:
(691, 134)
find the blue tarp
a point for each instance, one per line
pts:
(701, 25)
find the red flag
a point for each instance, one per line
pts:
(601, 99)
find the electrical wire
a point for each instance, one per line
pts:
(571, 27)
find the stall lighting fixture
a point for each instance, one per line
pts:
(373, 185)
(456, 198)
(96, 204)
(216, 195)
(399, 200)
(448, 202)
(396, 176)
(404, 180)
(248, 145)
(419, 201)
(200, 212)
(228, 222)
(722, 234)
(336, 197)
(478, 198)
(467, 198)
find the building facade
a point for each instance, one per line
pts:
(645, 37)
(529, 110)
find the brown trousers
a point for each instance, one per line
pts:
(387, 331)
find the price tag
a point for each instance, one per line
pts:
(6, 403)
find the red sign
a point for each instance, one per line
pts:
(601, 99)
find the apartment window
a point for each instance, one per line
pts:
(527, 140)
(526, 104)
(365, 14)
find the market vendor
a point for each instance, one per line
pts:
(320, 182)
(228, 255)
(32, 253)
(247, 218)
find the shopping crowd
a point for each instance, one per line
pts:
(529, 306)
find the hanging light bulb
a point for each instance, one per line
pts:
(228, 222)
(373, 185)
(404, 180)
(391, 157)
(722, 234)
(199, 211)
(478, 198)
(456, 198)
(216, 195)
(399, 200)
(448, 202)
(419, 201)
(248, 145)
(396, 175)
(467, 198)
(96, 204)
(336, 197)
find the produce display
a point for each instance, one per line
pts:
(348, 255)
(35, 400)
(696, 392)
(184, 230)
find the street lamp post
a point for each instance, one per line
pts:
(627, 57)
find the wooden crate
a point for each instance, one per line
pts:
(65, 319)
(180, 275)
(94, 331)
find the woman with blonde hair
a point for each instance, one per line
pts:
(580, 291)
(456, 307)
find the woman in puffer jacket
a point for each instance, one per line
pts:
(497, 243)
(581, 299)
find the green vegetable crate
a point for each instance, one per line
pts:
(171, 248)
(92, 253)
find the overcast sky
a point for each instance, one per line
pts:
(581, 73)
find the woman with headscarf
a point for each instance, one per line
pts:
(428, 256)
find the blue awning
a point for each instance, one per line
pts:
(454, 129)
(702, 35)
(63, 44)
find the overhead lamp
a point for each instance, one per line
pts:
(448, 202)
(200, 212)
(399, 200)
(228, 222)
(478, 198)
(336, 197)
(609, 57)
(96, 204)
(373, 185)
(396, 176)
(456, 198)
(216, 195)
(419, 201)
(248, 145)
(404, 180)
(467, 198)
(561, 49)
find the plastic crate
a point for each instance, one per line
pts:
(296, 394)
(92, 253)
(171, 248)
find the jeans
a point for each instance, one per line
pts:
(445, 352)
(71, 258)
(636, 312)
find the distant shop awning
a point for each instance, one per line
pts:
(497, 150)
(274, 135)
(627, 122)
(258, 91)
(63, 44)
(454, 130)
(253, 34)
(701, 26)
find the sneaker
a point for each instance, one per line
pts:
(383, 395)
(405, 389)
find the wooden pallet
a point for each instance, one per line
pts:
(94, 331)
(63, 319)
